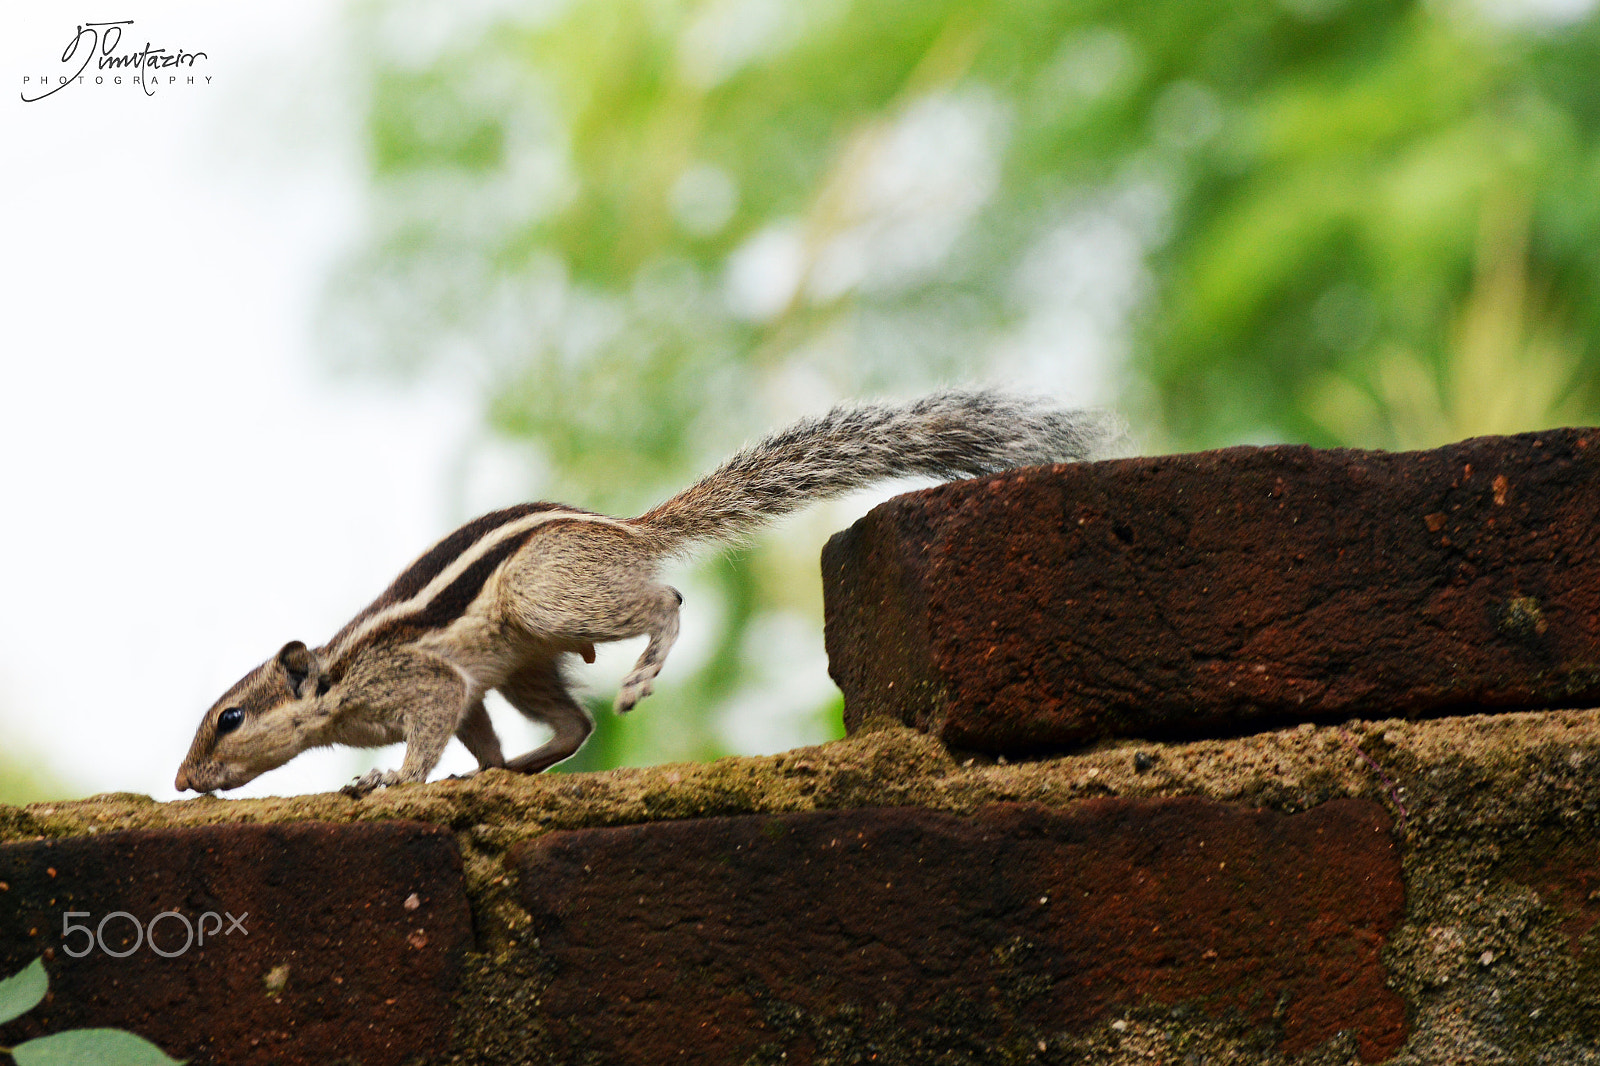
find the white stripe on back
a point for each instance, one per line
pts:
(459, 565)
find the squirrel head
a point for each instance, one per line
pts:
(271, 715)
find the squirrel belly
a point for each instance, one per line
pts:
(506, 600)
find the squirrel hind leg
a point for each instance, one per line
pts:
(571, 592)
(660, 618)
(538, 692)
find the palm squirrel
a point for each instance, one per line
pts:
(506, 600)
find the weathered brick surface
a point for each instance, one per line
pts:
(716, 939)
(1180, 595)
(334, 964)
(1566, 875)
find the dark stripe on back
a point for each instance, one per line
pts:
(414, 578)
(454, 599)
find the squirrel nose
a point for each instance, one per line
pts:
(182, 782)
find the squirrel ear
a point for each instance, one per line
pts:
(299, 663)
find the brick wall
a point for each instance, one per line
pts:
(1251, 756)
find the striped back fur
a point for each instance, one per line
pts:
(945, 435)
(441, 585)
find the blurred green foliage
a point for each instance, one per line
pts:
(650, 229)
(26, 782)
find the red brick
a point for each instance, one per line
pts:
(1192, 594)
(701, 941)
(1566, 874)
(368, 978)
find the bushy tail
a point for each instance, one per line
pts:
(946, 435)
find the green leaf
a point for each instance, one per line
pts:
(103, 1047)
(22, 993)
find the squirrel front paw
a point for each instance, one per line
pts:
(371, 781)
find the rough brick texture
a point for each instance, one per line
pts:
(716, 939)
(334, 964)
(1187, 594)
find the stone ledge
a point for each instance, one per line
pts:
(1495, 819)
(1210, 594)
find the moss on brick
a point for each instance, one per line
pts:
(1482, 805)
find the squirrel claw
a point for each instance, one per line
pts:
(367, 782)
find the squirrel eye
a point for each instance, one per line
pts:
(229, 720)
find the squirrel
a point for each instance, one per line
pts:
(505, 601)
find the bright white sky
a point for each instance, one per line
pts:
(167, 442)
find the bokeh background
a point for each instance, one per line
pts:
(263, 340)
